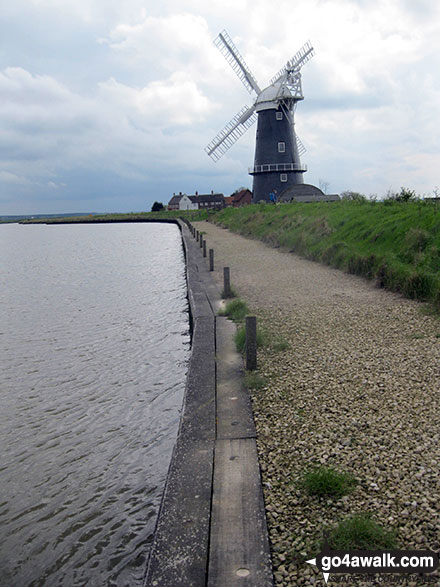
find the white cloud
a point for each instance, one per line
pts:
(137, 89)
(174, 101)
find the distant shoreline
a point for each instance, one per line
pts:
(102, 221)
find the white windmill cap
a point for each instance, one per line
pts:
(269, 98)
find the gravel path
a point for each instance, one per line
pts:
(356, 389)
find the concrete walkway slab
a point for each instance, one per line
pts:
(212, 528)
(239, 553)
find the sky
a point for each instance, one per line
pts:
(107, 106)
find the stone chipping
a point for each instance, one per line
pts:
(357, 388)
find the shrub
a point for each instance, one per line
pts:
(353, 196)
(157, 206)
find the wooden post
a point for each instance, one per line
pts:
(251, 343)
(204, 247)
(197, 235)
(211, 259)
(226, 283)
(201, 240)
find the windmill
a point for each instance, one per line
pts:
(277, 164)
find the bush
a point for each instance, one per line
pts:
(353, 196)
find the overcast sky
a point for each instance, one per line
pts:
(108, 105)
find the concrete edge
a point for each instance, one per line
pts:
(179, 553)
(186, 545)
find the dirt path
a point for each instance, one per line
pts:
(357, 389)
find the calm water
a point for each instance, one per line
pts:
(94, 345)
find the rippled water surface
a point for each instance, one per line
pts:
(94, 344)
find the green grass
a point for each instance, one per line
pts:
(360, 532)
(236, 310)
(278, 345)
(240, 339)
(327, 482)
(254, 381)
(395, 243)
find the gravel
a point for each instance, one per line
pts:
(356, 389)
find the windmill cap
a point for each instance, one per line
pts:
(270, 97)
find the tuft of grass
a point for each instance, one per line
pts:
(328, 482)
(279, 345)
(240, 339)
(360, 532)
(236, 310)
(254, 381)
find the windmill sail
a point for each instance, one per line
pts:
(295, 64)
(232, 55)
(231, 132)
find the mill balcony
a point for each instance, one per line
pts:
(277, 167)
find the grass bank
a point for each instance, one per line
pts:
(395, 243)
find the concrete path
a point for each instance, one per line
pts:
(212, 527)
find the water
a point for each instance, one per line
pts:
(94, 345)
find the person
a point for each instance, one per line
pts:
(273, 196)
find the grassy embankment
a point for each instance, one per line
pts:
(127, 217)
(395, 243)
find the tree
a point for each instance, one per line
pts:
(405, 195)
(238, 190)
(157, 206)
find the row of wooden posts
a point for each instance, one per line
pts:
(251, 321)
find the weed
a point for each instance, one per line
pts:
(279, 345)
(240, 339)
(236, 310)
(254, 381)
(326, 481)
(360, 532)
(419, 285)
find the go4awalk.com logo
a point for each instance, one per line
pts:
(375, 561)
